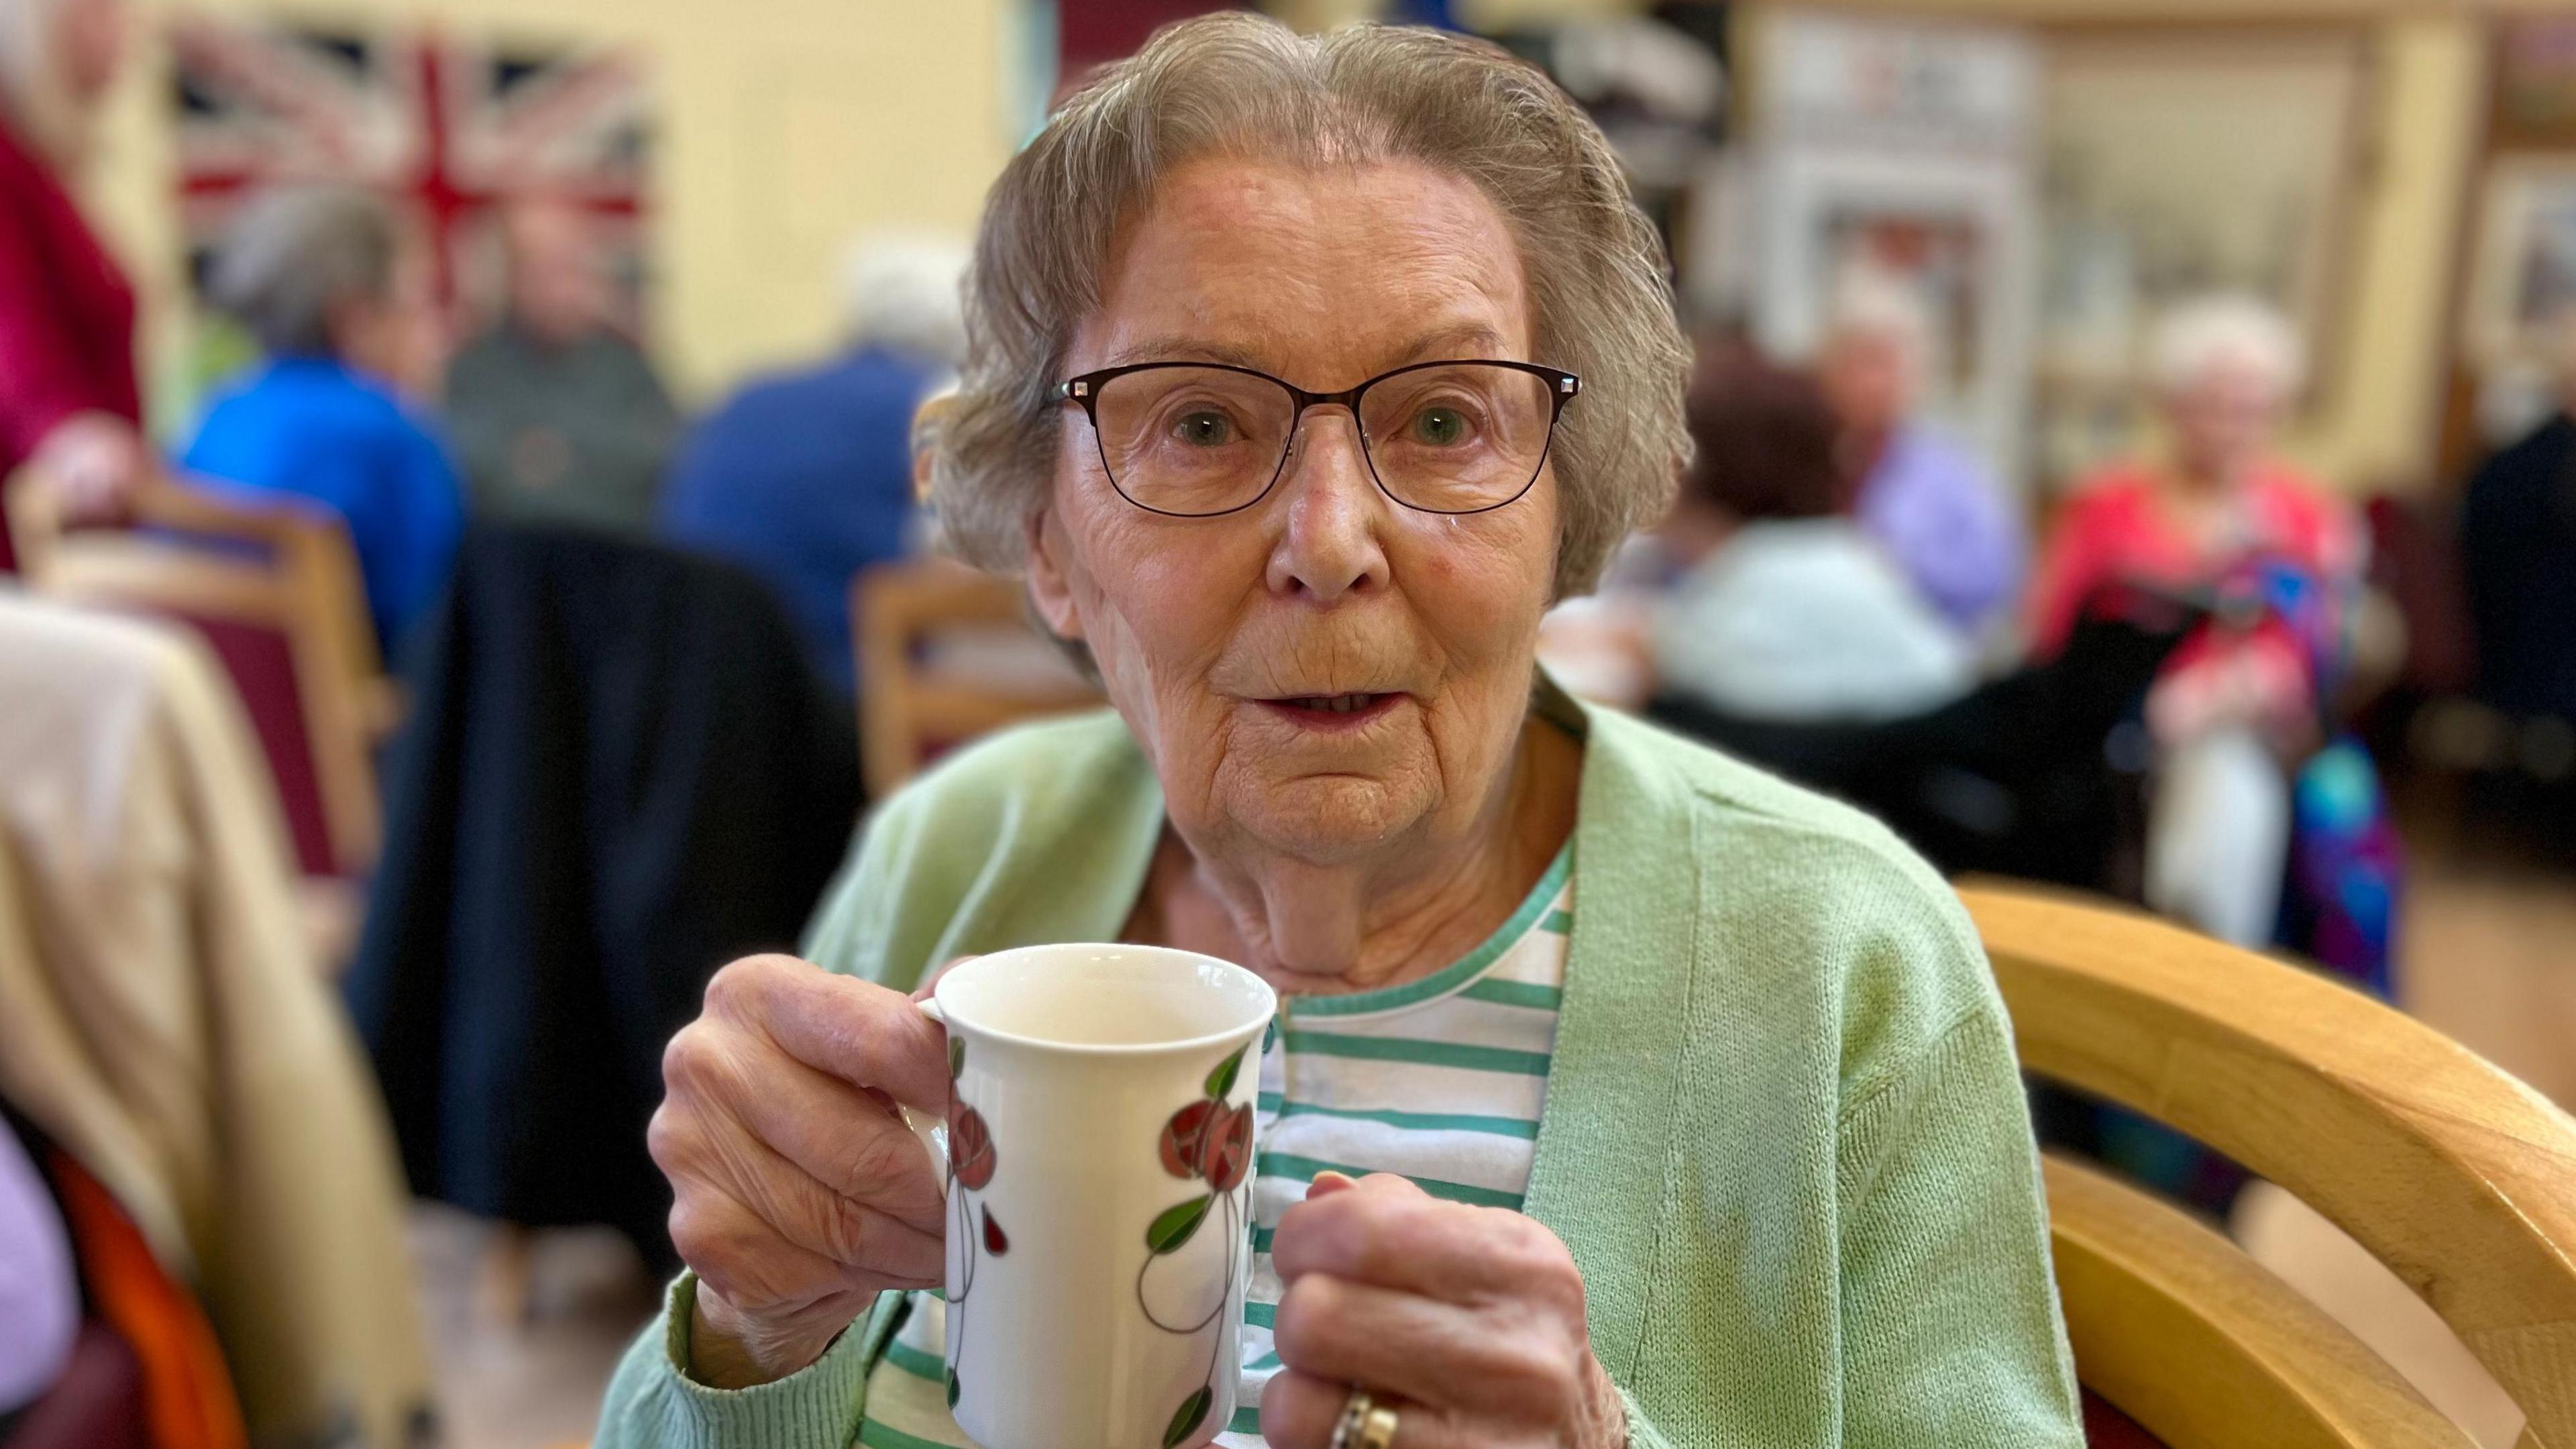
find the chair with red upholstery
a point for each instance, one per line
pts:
(273, 587)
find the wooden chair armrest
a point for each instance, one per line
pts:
(2201, 1344)
(2459, 1178)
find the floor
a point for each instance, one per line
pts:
(527, 1380)
(2489, 956)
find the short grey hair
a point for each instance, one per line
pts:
(2200, 333)
(1240, 84)
(1871, 303)
(294, 255)
(900, 289)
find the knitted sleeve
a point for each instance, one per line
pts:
(1950, 1331)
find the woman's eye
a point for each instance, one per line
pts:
(1202, 428)
(1440, 427)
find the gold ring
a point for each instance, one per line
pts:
(1355, 1413)
(1377, 1431)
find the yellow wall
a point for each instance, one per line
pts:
(2382, 415)
(784, 127)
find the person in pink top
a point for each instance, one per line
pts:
(69, 403)
(2223, 517)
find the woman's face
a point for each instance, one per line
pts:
(1217, 636)
(2225, 418)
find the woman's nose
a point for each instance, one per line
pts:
(1330, 544)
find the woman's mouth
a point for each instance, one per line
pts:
(1332, 711)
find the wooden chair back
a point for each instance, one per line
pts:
(2456, 1176)
(256, 577)
(917, 697)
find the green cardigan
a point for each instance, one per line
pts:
(1784, 1136)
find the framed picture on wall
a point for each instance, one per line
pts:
(2517, 296)
(2179, 160)
(1893, 151)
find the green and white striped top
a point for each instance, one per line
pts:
(1439, 1079)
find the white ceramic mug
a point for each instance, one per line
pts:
(1098, 1159)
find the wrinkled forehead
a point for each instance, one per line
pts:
(1323, 275)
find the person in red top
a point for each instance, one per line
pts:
(68, 397)
(2279, 558)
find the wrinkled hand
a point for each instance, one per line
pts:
(1468, 1320)
(96, 461)
(798, 1193)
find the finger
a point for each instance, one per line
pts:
(856, 1030)
(844, 1137)
(1395, 1235)
(1298, 1411)
(1328, 1182)
(1432, 1352)
(739, 1254)
(856, 1234)
(711, 1153)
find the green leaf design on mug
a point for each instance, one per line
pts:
(1187, 1418)
(1174, 1225)
(956, 1057)
(1221, 1080)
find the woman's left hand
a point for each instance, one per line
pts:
(1467, 1321)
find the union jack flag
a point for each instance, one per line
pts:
(447, 129)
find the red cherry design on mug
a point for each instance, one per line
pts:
(1185, 1136)
(970, 1148)
(1225, 1151)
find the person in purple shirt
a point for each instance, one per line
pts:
(39, 1298)
(1930, 504)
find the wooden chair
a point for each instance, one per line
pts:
(2453, 1174)
(920, 627)
(273, 587)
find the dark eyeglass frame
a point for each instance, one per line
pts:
(1085, 389)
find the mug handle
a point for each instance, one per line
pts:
(931, 1128)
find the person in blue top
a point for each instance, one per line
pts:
(805, 477)
(342, 314)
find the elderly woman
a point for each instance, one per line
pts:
(69, 401)
(2220, 514)
(319, 276)
(1305, 373)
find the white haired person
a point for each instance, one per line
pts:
(1925, 500)
(2221, 514)
(69, 401)
(1624, 1096)
(804, 477)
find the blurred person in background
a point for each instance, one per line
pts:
(40, 1305)
(1927, 501)
(2279, 558)
(1789, 610)
(69, 402)
(805, 478)
(2518, 550)
(341, 310)
(557, 416)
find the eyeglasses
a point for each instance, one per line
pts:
(1196, 439)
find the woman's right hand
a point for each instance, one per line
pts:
(798, 1193)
